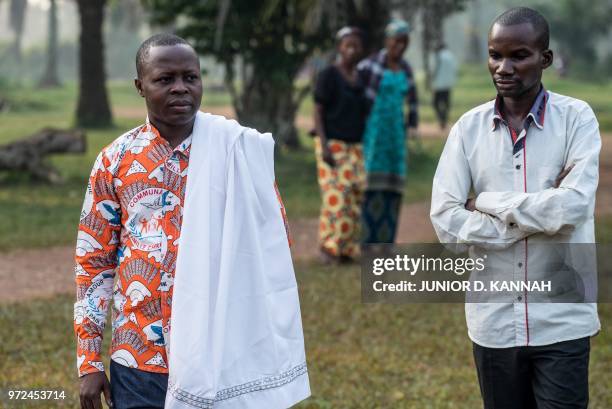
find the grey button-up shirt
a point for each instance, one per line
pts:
(512, 175)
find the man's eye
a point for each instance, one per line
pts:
(192, 77)
(164, 80)
(494, 56)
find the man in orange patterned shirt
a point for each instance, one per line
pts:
(129, 228)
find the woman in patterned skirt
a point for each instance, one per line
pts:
(340, 112)
(389, 81)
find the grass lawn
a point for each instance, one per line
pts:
(360, 355)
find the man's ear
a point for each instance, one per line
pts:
(138, 85)
(547, 58)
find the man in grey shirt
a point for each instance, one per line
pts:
(444, 78)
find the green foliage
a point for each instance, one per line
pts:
(271, 40)
(275, 36)
(577, 28)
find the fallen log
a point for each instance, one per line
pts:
(28, 154)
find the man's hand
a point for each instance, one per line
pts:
(91, 386)
(471, 204)
(562, 176)
(327, 156)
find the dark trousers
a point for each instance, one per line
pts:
(441, 104)
(544, 377)
(135, 389)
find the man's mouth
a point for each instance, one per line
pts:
(506, 82)
(181, 106)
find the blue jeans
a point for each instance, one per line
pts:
(135, 389)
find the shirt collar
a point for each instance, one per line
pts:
(535, 115)
(183, 148)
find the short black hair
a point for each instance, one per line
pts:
(522, 15)
(162, 39)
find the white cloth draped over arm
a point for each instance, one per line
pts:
(454, 224)
(236, 336)
(551, 210)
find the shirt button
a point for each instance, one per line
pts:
(517, 167)
(520, 265)
(519, 298)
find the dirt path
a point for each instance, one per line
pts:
(31, 273)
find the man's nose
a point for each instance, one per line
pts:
(179, 87)
(505, 67)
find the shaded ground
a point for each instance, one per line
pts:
(30, 273)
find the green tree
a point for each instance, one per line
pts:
(93, 109)
(577, 28)
(432, 14)
(125, 19)
(263, 45)
(50, 77)
(17, 20)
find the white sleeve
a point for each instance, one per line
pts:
(451, 186)
(554, 209)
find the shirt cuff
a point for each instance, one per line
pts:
(489, 203)
(86, 369)
(89, 363)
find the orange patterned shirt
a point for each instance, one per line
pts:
(129, 227)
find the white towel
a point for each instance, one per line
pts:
(236, 336)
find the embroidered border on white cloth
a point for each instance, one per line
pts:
(248, 387)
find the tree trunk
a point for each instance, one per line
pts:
(17, 19)
(474, 43)
(265, 102)
(426, 37)
(50, 78)
(434, 15)
(93, 108)
(372, 16)
(28, 154)
(269, 108)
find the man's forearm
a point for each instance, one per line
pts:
(548, 212)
